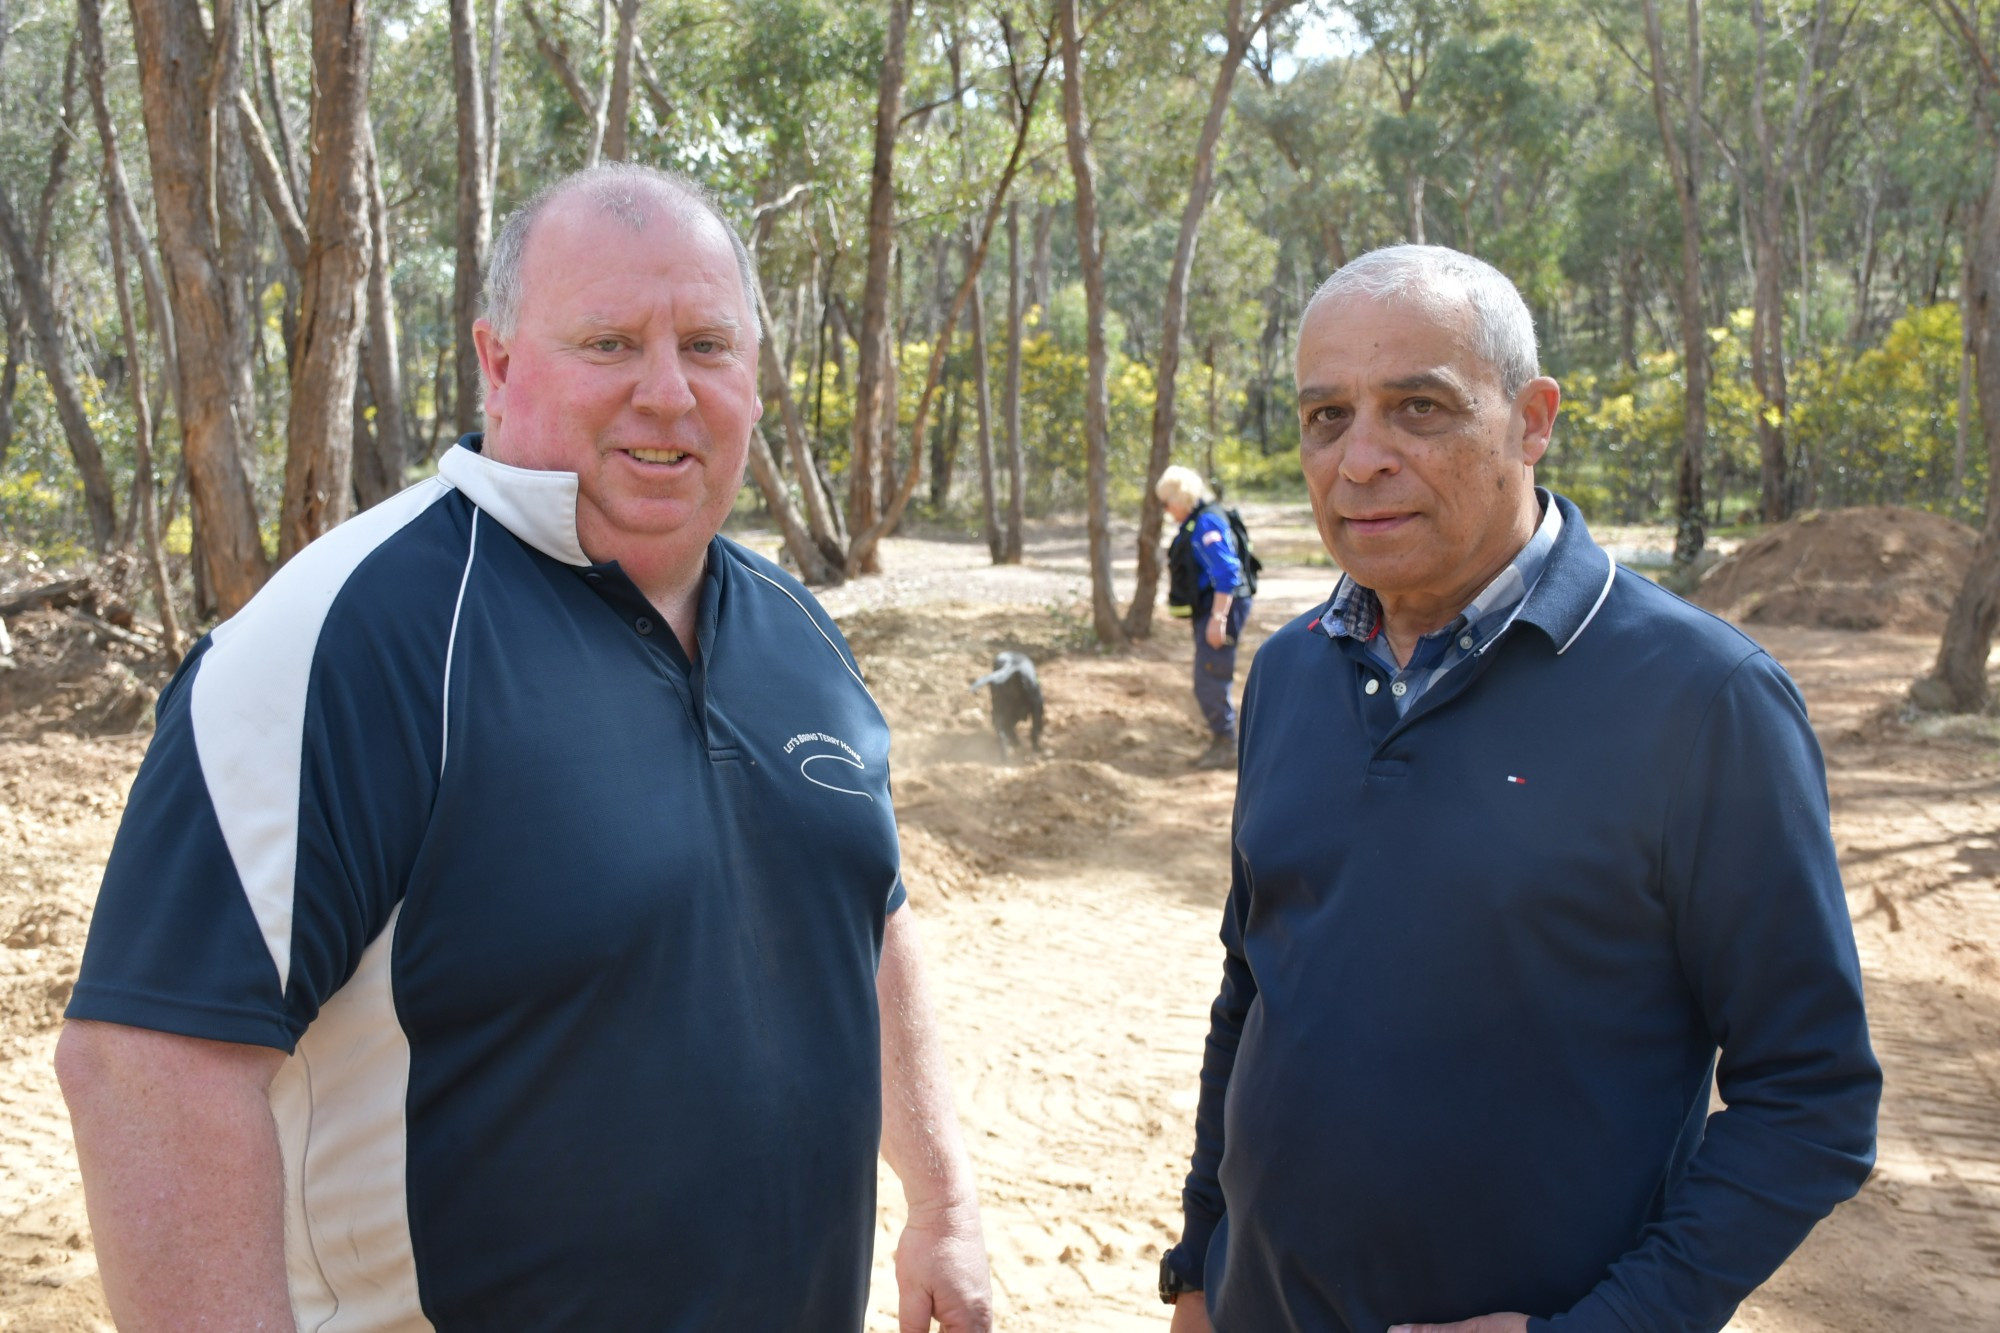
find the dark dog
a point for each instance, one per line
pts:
(1017, 698)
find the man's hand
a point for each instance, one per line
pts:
(941, 1274)
(1486, 1323)
(1191, 1314)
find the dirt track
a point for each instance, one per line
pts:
(1069, 910)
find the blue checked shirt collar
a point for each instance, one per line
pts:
(1355, 612)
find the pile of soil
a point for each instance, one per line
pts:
(1875, 568)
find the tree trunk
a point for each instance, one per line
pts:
(1010, 393)
(474, 218)
(1958, 682)
(333, 287)
(187, 79)
(814, 567)
(1040, 283)
(146, 528)
(618, 104)
(1096, 402)
(944, 443)
(34, 295)
(294, 173)
(16, 310)
(862, 549)
(822, 519)
(123, 225)
(272, 183)
(380, 474)
(872, 371)
(1962, 428)
(1146, 583)
(1767, 318)
(989, 512)
(1683, 163)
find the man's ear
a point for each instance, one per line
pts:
(1537, 404)
(492, 366)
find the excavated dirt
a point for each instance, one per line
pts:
(1069, 905)
(1875, 568)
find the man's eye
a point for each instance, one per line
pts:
(1423, 407)
(605, 344)
(1321, 416)
(707, 346)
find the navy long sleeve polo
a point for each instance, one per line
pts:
(1482, 961)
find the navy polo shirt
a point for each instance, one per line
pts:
(572, 941)
(1483, 958)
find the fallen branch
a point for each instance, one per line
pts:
(144, 643)
(54, 596)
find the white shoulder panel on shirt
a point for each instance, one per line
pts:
(249, 702)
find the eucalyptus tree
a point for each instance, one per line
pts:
(473, 218)
(1240, 28)
(189, 70)
(1682, 91)
(333, 304)
(28, 254)
(1090, 254)
(1958, 679)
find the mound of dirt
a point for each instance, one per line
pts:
(1875, 568)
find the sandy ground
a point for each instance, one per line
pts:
(1074, 958)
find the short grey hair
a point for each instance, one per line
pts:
(1437, 278)
(1184, 486)
(622, 189)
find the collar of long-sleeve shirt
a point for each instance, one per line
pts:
(1355, 612)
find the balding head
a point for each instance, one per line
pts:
(1436, 279)
(631, 193)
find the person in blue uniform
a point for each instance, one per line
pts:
(1203, 560)
(1528, 855)
(506, 930)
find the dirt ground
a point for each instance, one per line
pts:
(1070, 906)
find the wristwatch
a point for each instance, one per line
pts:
(1172, 1284)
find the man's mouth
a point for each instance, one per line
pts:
(1375, 522)
(658, 455)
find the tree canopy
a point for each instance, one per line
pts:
(1752, 239)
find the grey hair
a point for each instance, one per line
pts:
(621, 189)
(1437, 279)
(1182, 485)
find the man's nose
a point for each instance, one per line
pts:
(1368, 449)
(662, 389)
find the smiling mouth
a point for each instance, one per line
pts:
(658, 455)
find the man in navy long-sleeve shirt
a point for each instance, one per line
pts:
(1527, 853)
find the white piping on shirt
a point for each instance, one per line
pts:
(1603, 593)
(815, 624)
(451, 643)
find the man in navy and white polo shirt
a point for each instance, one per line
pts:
(1527, 853)
(492, 939)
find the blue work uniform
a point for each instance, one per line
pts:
(571, 939)
(1211, 547)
